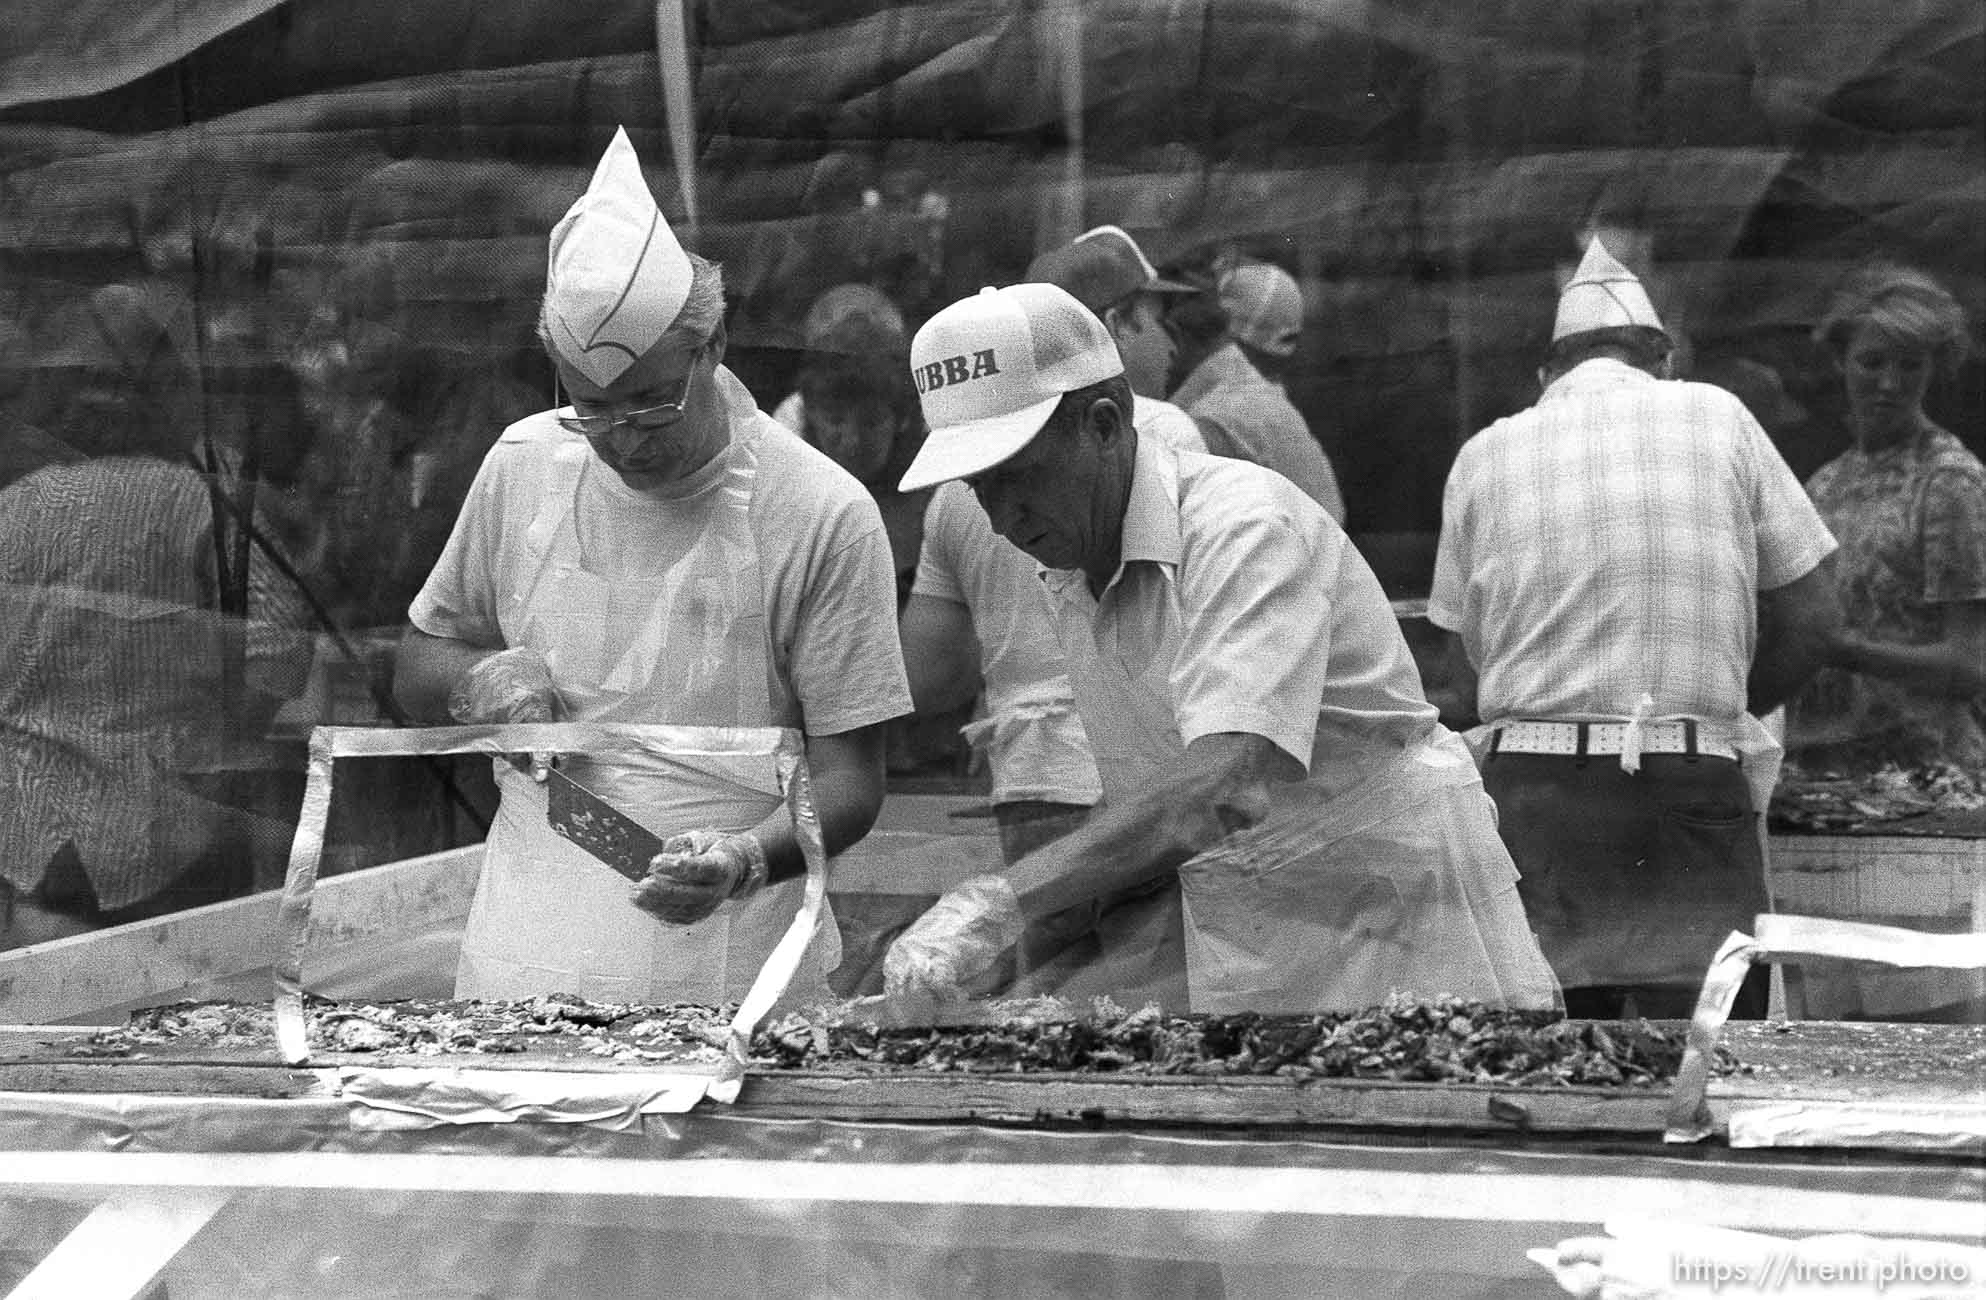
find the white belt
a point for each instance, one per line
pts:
(1578, 739)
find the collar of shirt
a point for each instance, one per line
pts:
(1599, 372)
(1150, 530)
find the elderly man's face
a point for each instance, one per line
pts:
(660, 421)
(1056, 498)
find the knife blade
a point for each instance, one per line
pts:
(598, 827)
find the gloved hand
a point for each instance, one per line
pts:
(960, 939)
(512, 685)
(698, 870)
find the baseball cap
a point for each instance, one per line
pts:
(990, 369)
(1264, 307)
(1101, 267)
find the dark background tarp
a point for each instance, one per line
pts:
(1423, 168)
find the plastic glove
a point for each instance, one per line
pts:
(959, 940)
(698, 870)
(512, 685)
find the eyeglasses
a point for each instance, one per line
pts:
(649, 419)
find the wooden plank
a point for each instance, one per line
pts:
(1228, 1103)
(1932, 882)
(1922, 1066)
(122, 1244)
(1919, 883)
(82, 974)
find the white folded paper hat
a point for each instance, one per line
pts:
(1602, 294)
(616, 276)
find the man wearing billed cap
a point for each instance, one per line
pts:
(1255, 713)
(1232, 393)
(656, 551)
(1106, 271)
(978, 620)
(1633, 574)
(977, 615)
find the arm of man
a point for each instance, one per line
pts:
(696, 872)
(1796, 625)
(940, 653)
(1220, 786)
(427, 667)
(1953, 666)
(846, 773)
(1455, 694)
(1249, 675)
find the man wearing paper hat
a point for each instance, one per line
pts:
(655, 551)
(1629, 573)
(1256, 715)
(1233, 393)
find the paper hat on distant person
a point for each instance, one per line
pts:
(1264, 307)
(1602, 294)
(990, 370)
(616, 276)
(1101, 268)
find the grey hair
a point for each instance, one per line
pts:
(1068, 413)
(1642, 346)
(696, 321)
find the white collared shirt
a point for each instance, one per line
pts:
(1612, 540)
(1239, 606)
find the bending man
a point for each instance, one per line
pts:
(1255, 713)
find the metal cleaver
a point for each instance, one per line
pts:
(598, 827)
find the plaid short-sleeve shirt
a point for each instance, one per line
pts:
(1612, 540)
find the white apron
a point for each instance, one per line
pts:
(685, 644)
(1398, 885)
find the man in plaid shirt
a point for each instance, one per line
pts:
(1634, 575)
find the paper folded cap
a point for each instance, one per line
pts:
(1602, 294)
(990, 369)
(1100, 268)
(616, 276)
(1264, 307)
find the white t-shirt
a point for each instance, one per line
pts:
(824, 560)
(1037, 749)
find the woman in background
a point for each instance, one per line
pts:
(1906, 683)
